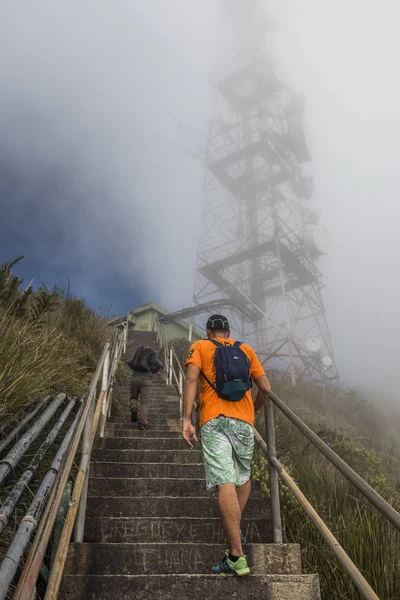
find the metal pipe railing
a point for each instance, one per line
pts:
(13, 434)
(273, 475)
(78, 497)
(343, 558)
(17, 548)
(12, 500)
(39, 545)
(380, 504)
(161, 337)
(108, 398)
(11, 460)
(89, 433)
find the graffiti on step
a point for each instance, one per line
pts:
(154, 530)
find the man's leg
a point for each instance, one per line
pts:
(134, 398)
(243, 493)
(230, 513)
(145, 393)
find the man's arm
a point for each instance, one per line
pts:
(264, 389)
(189, 397)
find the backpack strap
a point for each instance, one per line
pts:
(237, 344)
(208, 381)
(201, 372)
(215, 342)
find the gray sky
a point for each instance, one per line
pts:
(101, 190)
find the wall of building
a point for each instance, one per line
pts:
(145, 317)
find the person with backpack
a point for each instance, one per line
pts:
(226, 370)
(144, 365)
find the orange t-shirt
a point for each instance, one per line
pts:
(202, 354)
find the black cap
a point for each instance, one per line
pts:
(218, 322)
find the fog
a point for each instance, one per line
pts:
(97, 181)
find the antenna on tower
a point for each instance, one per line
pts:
(261, 240)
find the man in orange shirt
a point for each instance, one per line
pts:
(227, 434)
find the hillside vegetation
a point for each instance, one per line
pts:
(49, 341)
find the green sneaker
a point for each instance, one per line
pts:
(227, 567)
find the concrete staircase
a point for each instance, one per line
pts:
(152, 530)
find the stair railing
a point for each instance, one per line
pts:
(173, 367)
(89, 423)
(162, 340)
(277, 470)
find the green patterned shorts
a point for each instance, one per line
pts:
(228, 447)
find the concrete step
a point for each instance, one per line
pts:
(200, 506)
(137, 336)
(137, 443)
(195, 587)
(133, 486)
(154, 420)
(130, 430)
(177, 558)
(161, 408)
(148, 456)
(197, 530)
(151, 426)
(156, 470)
(159, 390)
(155, 413)
(159, 387)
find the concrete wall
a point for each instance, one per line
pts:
(145, 320)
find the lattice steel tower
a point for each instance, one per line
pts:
(258, 251)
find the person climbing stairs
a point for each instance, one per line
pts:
(152, 530)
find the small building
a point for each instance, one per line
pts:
(143, 318)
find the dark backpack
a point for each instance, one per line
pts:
(140, 361)
(232, 369)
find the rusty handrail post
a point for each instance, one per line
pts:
(273, 475)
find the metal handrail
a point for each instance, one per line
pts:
(380, 504)
(276, 469)
(355, 574)
(91, 415)
(172, 360)
(162, 339)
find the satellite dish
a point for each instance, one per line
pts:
(313, 345)
(314, 216)
(266, 124)
(318, 240)
(228, 119)
(247, 88)
(263, 125)
(327, 361)
(285, 189)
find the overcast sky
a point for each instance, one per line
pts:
(95, 183)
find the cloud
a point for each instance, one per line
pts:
(95, 185)
(90, 151)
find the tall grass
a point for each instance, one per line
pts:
(372, 543)
(49, 342)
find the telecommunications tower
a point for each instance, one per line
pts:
(258, 251)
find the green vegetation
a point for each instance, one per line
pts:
(49, 341)
(363, 437)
